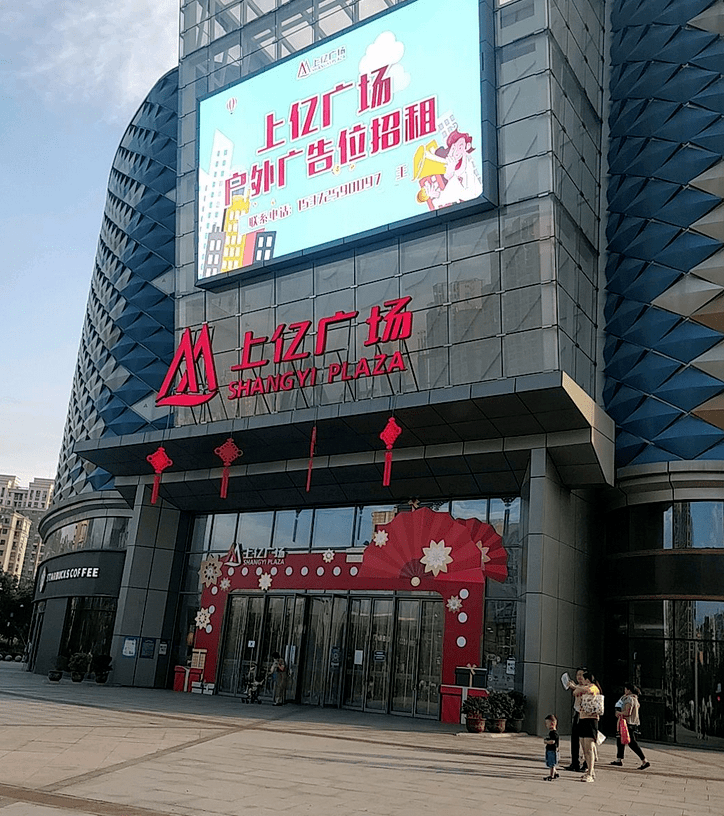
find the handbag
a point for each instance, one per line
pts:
(592, 704)
(623, 731)
(600, 738)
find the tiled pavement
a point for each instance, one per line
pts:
(86, 749)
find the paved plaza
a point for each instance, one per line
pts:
(87, 749)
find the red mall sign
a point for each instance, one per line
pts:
(191, 377)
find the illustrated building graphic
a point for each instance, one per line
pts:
(522, 265)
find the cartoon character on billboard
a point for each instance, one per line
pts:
(447, 175)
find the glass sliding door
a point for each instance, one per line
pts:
(357, 657)
(429, 664)
(380, 653)
(335, 651)
(315, 650)
(408, 634)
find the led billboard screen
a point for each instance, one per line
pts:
(379, 124)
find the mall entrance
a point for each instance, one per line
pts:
(370, 652)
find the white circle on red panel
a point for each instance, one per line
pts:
(212, 609)
(259, 570)
(245, 571)
(415, 581)
(209, 629)
(353, 571)
(231, 570)
(336, 570)
(305, 570)
(461, 642)
(463, 617)
(289, 570)
(214, 590)
(273, 570)
(464, 593)
(320, 570)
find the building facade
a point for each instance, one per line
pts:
(32, 502)
(315, 235)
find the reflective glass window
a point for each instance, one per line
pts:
(292, 529)
(223, 532)
(255, 529)
(366, 519)
(333, 528)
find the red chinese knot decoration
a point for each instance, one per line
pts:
(389, 437)
(228, 453)
(159, 461)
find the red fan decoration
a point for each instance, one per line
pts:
(159, 461)
(422, 545)
(389, 437)
(228, 453)
(490, 544)
(312, 446)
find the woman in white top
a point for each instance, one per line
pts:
(629, 712)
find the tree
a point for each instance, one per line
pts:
(16, 610)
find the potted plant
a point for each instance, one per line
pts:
(476, 711)
(501, 708)
(78, 666)
(515, 721)
(101, 667)
(59, 666)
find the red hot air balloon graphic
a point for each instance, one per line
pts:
(231, 104)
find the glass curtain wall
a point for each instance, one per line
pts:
(674, 651)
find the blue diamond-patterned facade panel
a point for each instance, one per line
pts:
(127, 340)
(667, 142)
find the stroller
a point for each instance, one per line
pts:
(250, 692)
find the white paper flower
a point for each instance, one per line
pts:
(436, 558)
(454, 604)
(328, 556)
(380, 538)
(203, 618)
(265, 580)
(210, 571)
(224, 584)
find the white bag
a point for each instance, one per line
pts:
(591, 704)
(600, 738)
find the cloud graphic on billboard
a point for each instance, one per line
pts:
(386, 50)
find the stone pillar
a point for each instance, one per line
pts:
(148, 595)
(562, 624)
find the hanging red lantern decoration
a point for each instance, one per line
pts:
(389, 436)
(159, 461)
(228, 453)
(312, 447)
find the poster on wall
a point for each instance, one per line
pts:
(377, 125)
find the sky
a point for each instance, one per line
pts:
(72, 74)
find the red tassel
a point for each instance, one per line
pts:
(159, 461)
(388, 469)
(225, 483)
(156, 485)
(312, 446)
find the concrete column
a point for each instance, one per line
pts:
(148, 596)
(561, 607)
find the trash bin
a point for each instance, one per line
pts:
(181, 678)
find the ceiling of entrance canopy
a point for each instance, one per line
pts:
(468, 440)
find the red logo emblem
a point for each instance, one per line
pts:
(186, 363)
